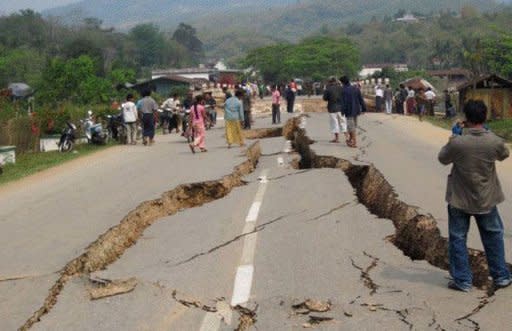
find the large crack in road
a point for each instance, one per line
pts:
(416, 235)
(115, 241)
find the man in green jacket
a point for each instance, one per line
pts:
(474, 190)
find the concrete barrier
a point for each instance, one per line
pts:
(7, 154)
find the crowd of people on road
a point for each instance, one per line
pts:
(406, 100)
(191, 116)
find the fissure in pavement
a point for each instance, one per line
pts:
(365, 273)
(416, 235)
(263, 133)
(114, 242)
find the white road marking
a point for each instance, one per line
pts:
(253, 212)
(244, 274)
(249, 249)
(243, 284)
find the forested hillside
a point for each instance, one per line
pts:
(226, 35)
(481, 43)
(229, 28)
(439, 42)
(166, 13)
(85, 63)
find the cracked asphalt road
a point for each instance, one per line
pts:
(313, 240)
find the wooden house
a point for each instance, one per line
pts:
(494, 91)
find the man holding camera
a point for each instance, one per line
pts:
(474, 190)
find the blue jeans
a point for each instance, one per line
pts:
(491, 231)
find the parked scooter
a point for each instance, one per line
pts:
(188, 131)
(94, 132)
(116, 129)
(67, 138)
(164, 115)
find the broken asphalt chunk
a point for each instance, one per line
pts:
(311, 305)
(107, 288)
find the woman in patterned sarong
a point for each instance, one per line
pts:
(233, 117)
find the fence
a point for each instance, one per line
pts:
(18, 132)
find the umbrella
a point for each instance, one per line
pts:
(20, 90)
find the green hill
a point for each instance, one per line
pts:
(229, 28)
(231, 35)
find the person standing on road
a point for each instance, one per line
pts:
(332, 95)
(290, 98)
(172, 106)
(185, 119)
(421, 103)
(473, 189)
(402, 98)
(148, 107)
(247, 106)
(233, 118)
(130, 119)
(410, 101)
(399, 103)
(276, 105)
(211, 106)
(352, 105)
(388, 98)
(198, 119)
(261, 90)
(379, 96)
(431, 98)
(449, 110)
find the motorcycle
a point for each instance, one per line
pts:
(116, 129)
(94, 132)
(165, 116)
(67, 138)
(188, 131)
(212, 117)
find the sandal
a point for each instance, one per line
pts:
(192, 148)
(203, 150)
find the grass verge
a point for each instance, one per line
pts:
(31, 163)
(502, 128)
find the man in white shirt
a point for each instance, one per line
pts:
(173, 106)
(130, 118)
(431, 98)
(379, 97)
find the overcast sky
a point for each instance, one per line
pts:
(9, 6)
